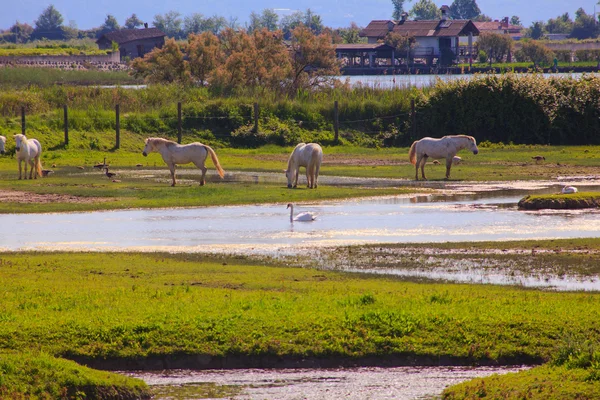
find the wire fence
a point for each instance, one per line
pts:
(180, 124)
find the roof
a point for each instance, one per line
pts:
(128, 35)
(363, 47)
(424, 28)
(496, 26)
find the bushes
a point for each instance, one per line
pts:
(530, 109)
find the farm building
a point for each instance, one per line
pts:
(434, 39)
(500, 27)
(133, 42)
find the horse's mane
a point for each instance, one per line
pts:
(292, 159)
(156, 141)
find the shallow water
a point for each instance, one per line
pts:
(490, 215)
(402, 383)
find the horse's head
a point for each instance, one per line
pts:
(19, 141)
(290, 177)
(473, 145)
(2, 144)
(148, 148)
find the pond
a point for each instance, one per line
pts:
(401, 383)
(467, 216)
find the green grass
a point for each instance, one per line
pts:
(58, 51)
(30, 375)
(24, 77)
(98, 306)
(561, 201)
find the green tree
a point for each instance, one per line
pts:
(268, 19)
(169, 23)
(398, 9)
(402, 44)
(313, 22)
(495, 45)
(110, 24)
(537, 53)
(585, 25)
(425, 10)
(350, 35)
(464, 9)
(20, 32)
(515, 20)
(193, 24)
(560, 24)
(482, 18)
(536, 30)
(49, 20)
(133, 22)
(290, 22)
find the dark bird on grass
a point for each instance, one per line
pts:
(109, 174)
(436, 162)
(538, 158)
(101, 166)
(46, 172)
(139, 165)
(80, 167)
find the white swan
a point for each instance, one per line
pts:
(305, 216)
(569, 189)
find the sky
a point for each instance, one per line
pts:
(86, 14)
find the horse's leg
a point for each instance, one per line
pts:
(316, 178)
(31, 170)
(203, 169)
(296, 177)
(20, 168)
(423, 162)
(309, 173)
(172, 169)
(448, 165)
(25, 169)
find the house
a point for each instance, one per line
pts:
(133, 42)
(500, 27)
(363, 55)
(433, 38)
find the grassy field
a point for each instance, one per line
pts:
(142, 309)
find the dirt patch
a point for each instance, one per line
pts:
(15, 196)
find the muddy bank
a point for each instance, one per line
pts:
(560, 202)
(16, 196)
(208, 362)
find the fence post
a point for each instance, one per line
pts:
(179, 122)
(118, 127)
(23, 120)
(66, 116)
(256, 115)
(336, 121)
(413, 119)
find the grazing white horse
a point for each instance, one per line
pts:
(2, 144)
(30, 151)
(446, 147)
(305, 155)
(174, 153)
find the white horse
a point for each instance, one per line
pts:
(446, 147)
(2, 144)
(30, 151)
(305, 155)
(174, 153)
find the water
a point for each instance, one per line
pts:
(419, 81)
(402, 383)
(491, 215)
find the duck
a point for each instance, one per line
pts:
(101, 166)
(538, 158)
(456, 160)
(46, 172)
(569, 189)
(305, 216)
(109, 174)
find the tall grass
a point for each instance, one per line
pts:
(11, 78)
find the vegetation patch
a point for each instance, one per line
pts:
(571, 201)
(41, 376)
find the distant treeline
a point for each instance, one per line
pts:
(507, 108)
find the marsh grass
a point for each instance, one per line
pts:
(144, 305)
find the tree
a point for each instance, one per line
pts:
(20, 32)
(163, 65)
(536, 30)
(425, 10)
(49, 20)
(204, 56)
(560, 24)
(169, 23)
(401, 44)
(515, 20)
(351, 34)
(482, 18)
(398, 9)
(495, 45)
(537, 53)
(193, 24)
(313, 22)
(110, 24)
(133, 22)
(313, 59)
(290, 22)
(585, 25)
(464, 9)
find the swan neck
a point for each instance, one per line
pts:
(291, 213)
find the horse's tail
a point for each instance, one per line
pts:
(412, 154)
(215, 160)
(38, 167)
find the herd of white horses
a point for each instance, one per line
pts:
(309, 156)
